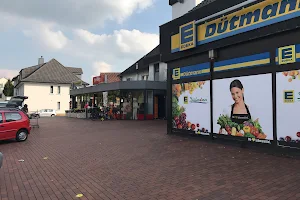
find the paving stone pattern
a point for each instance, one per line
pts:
(116, 160)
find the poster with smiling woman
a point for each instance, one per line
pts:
(242, 107)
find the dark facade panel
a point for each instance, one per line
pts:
(193, 60)
(172, 2)
(172, 27)
(149, 60)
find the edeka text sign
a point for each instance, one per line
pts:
(187, 36)
(191, 71)
(253, 17)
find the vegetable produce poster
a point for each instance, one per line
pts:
(288, 106)
(191, 106)
(242, 106)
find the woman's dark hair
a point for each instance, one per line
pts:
(238, 84)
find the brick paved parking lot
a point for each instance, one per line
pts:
(137, 160)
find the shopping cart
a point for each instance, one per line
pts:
(34, 120)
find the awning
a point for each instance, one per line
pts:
(123, 85)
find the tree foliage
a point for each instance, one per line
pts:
(8, 89)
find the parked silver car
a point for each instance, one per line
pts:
(1, 158)
(3, 104)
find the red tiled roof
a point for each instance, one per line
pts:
(111, 77)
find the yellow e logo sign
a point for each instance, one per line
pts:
(176, 74)
(187, 36)
(288, 96)
(186, 100)
(287, 55)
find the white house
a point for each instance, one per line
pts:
(3, 81)
(47, 85)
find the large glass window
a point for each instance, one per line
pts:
(138, 105)
(150, 102)
(126, 106)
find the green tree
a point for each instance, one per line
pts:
(8, 89)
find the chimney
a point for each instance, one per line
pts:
(181, 7)
(41, 60)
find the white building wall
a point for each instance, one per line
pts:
(39, 97)
(151, 72)
(179, 9)
(3, 81)
(163, 71)
(135, 76)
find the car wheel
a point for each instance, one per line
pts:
(22, 135)
(52, 115)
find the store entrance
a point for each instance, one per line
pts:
(161, 106)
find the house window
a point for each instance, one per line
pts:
(58, 89)
(156, 72)
(145, 78)
(0, 96)
(51, 89)
(58, 105)
(128, 79)
(156, 67)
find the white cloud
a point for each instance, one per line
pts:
(61, 27)
(46, 36)
(101, 67)
(6, 73)
(74, 12)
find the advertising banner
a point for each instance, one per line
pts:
(191, 107)
(288, 107)
(256, 16)
(98, 80)
(242, 107)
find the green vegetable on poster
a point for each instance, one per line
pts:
(249, 135)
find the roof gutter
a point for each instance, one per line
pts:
(225, 11)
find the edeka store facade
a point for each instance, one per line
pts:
(234, 71)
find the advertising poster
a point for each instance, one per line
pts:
(288, 107)
(242, 107)
(191, 106)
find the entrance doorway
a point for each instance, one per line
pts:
(160, 105)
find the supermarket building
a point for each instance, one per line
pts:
(233, 70)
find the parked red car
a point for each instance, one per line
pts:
(14, 124)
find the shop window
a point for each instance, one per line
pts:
(138, 105)
(128, 79)
(51, 89)
(150, 102)
(145, 78)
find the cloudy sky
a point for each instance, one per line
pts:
(96, 35)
